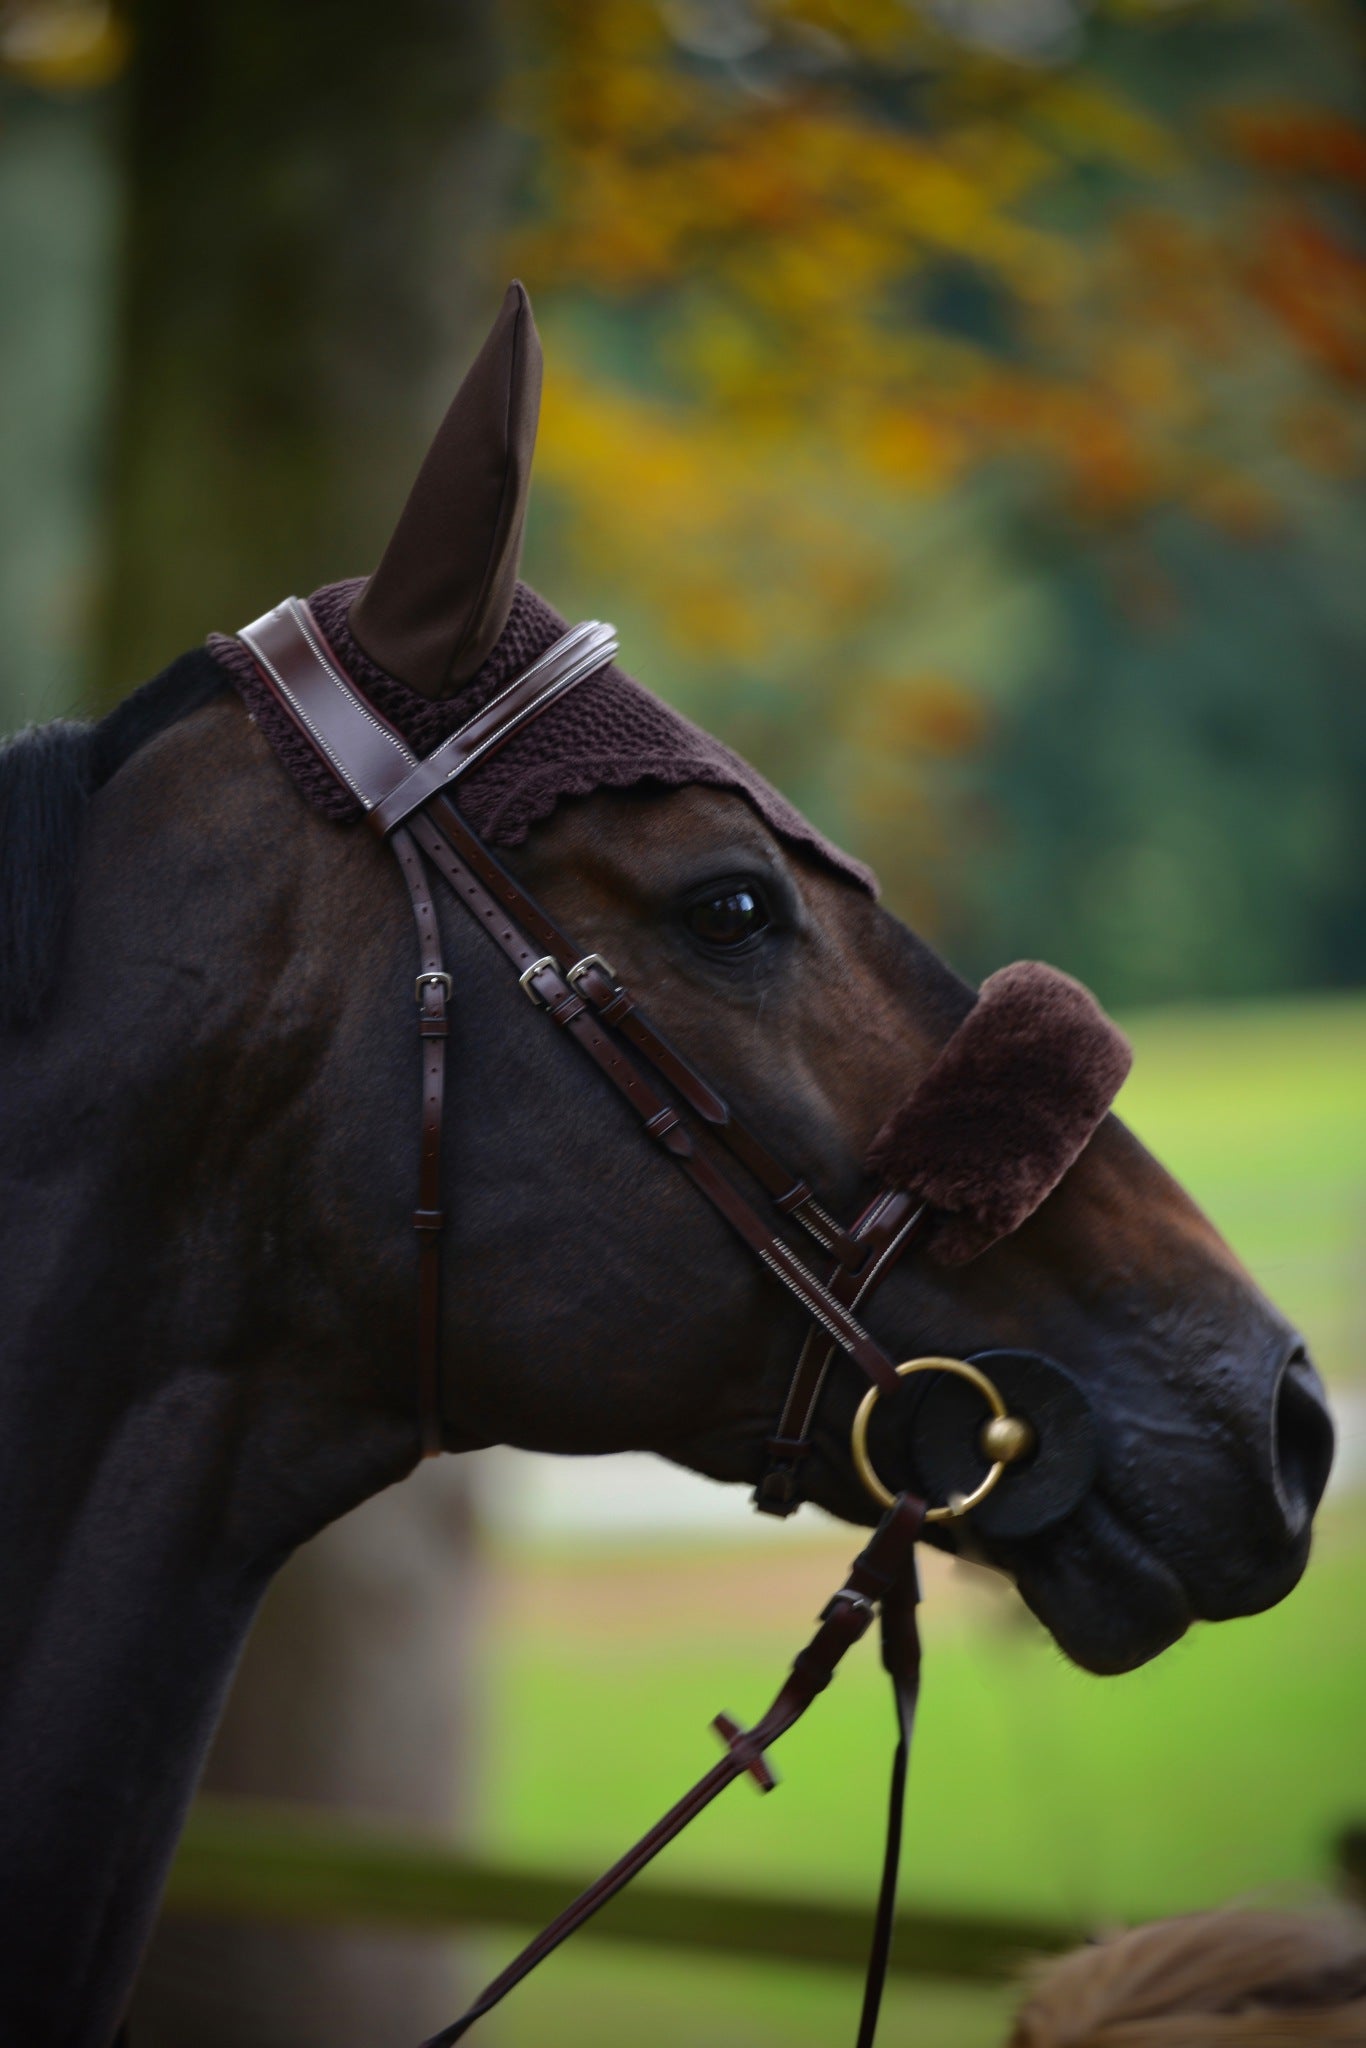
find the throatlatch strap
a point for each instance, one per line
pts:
(883, 1574)
(432, 992)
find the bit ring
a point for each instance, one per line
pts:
(991, 1394)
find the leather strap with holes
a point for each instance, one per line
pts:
(432, 994)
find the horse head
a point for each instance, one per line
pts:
(209, 1128)
(764, 954)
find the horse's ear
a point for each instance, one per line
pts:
(439, 600)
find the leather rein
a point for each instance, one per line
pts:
(407, 801)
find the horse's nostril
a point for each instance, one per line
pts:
(1302, 1441)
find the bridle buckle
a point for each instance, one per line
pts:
(432, 979)
(524, 981)
(591, 960)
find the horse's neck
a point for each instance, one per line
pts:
(158, 1460)
(174, 1419)
(122, 1621)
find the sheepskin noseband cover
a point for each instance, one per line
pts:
(1007, 1106)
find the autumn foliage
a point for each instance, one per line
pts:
(837, 295)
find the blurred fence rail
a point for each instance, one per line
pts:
(1351, 1861)
(245, 1859)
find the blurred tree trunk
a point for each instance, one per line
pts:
(311, 192)
(56, 216)
(354, 1691)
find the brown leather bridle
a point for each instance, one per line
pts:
(407, 802)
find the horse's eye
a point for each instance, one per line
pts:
(730, 919)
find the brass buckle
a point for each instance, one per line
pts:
(1004, 1438)
(591, 960)
(441, 980)
(524, 981)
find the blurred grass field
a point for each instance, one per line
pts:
(1224, 1770)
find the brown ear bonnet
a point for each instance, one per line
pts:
(612, 733)
(443, 625)
(1006, 1108)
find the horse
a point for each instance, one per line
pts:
(1236, 1978)
(207, 1170)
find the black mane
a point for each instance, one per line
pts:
(48, 775)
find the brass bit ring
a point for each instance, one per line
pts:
(1012, 1441)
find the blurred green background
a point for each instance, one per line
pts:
(959, 407)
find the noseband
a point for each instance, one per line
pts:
(1005, 1109)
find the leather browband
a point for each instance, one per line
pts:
(571, 660)
(363, 750)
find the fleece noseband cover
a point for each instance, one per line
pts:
(1006, 1108)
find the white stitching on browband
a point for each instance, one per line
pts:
(574, 633)
(260, 655)
(600, 653)
(572, 636)
(551, 689)
(575, 675)
(303, 618)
